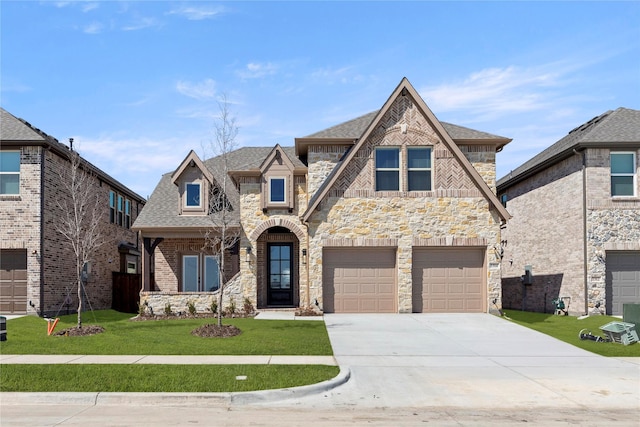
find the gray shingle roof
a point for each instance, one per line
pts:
(161, 210)
(607, 130)
(353, 129)
(14, 129)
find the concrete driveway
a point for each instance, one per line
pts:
(471, 361)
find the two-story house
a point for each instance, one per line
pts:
(37, 266)
(393, 211)
(576, 220)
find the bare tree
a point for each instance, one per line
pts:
(223, 233)
(80, 217)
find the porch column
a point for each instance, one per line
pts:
(149, 249)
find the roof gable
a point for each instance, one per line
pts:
(276, 154)
(406, 89)
(192, 160)
(14, 129)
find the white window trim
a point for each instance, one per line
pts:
(186, 199)
(409, 169)
(398, 169)
(19, 173)
(633, 174)
(278, 202)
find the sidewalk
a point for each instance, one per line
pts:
(23, 359)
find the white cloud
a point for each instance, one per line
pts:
(203, 90)
(87, 7)
(141, 24)
(343, 75)
(495, 91)
(137, 163)
(255, 70)
(93, 28)
(198, 13)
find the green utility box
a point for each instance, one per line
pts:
(631, 314)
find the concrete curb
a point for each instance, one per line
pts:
(173, 399)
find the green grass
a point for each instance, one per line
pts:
(28, 335)
(159, 378)
(567, 329)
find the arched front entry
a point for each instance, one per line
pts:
(278, 272)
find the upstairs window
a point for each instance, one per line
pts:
(127, 213)
(112, 207)
(193, 195)
(387, 168)
(120, 210)
(419, 168)
(623, 174)
(9, 172)
(277, 190)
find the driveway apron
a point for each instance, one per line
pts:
(468, 360)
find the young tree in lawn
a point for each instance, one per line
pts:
(80, 217)
(224, 233)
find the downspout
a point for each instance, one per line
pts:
(42, 222)
(584, 229)
(306, 225)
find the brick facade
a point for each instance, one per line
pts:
(548, 230)
(28, 221)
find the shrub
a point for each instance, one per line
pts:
(191, 306)
(167, 309)
(247, 306)
(231, 308)
(214, 306)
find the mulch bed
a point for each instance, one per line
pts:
(83, 331)
(215, 331)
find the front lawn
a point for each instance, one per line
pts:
(159, 378)
(121, 336)
(567, 329)
(28, 335)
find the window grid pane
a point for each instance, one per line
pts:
(387, 168)
(623, 174)
(193, 195)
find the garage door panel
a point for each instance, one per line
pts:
(622, 280)
(359, 280)
(448, 279)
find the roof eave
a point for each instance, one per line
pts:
(302, 144)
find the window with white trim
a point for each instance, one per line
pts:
(419, 168)
(277, 190)
(387, 168)
(193, 195)
(623, 174)
(9, 172)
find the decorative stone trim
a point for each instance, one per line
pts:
(622, 246)
(278, 222)
(364, 242)
(450, 241)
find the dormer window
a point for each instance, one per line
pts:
(277, 190)
(193, 191)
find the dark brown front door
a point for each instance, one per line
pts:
(280, 274)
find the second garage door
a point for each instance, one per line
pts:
(623, 280)
(359, 280)
(448, 280)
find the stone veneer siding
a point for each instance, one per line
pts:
(255, 222)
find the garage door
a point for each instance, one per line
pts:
(623, 280)
(448, 280)
(13, 281)
(359, 280)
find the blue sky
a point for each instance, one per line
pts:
(137, 83)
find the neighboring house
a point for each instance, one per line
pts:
(37, 268)
(391, 212)
(576, 220)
